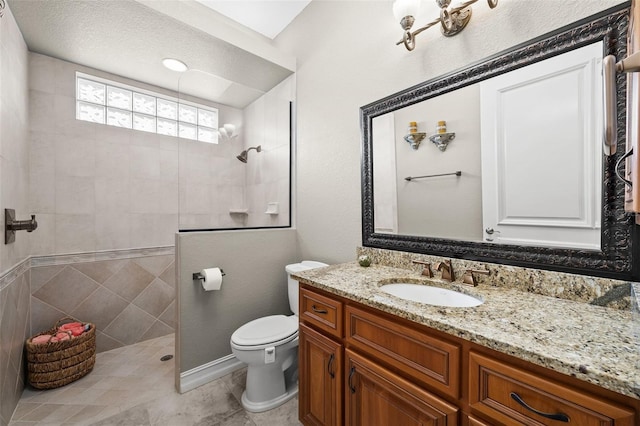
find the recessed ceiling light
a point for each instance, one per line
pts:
(175, 65)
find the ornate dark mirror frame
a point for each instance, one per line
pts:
(615, 259)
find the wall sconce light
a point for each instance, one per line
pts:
(414, 137)
(442, 138)
(453, 20)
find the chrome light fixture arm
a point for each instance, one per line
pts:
(453, 21)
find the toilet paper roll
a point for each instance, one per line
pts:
(212, 279)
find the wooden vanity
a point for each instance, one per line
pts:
(362, 366)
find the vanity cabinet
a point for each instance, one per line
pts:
(363, 367)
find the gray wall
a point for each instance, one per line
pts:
(255, 285)
(352, 65)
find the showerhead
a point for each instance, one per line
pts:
(245, 154)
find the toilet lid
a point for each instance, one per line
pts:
(265, 330)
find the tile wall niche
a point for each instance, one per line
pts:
(128, 299)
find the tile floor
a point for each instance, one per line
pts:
(131, 386)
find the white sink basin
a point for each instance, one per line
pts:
(431, 295)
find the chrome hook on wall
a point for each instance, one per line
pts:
(11, 225)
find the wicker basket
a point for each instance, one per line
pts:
(51, 365)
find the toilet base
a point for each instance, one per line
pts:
(259, 407)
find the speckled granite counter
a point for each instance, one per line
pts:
(563, 335)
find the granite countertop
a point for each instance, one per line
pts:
(592, 343)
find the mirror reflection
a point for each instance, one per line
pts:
(523, 164)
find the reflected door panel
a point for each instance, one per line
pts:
(541, 168)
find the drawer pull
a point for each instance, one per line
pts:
(559, 416)
(331, 373)
(318, 311)
(351, 373)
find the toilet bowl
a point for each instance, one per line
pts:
(269, 347)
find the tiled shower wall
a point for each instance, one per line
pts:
(96, 187)
(14, 329)
(129, 300)
(14, 189)
(267, 175)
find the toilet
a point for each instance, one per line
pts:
(269, 347)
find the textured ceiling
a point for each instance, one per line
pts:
(130, 38)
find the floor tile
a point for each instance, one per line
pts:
(131, 386)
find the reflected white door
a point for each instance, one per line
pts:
(541, 155)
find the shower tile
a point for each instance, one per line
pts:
(155, 298)
(100, 271)
(40, 107)
(169, 274)
(143, 195)
(75, 195)
(66, 290)
(106, 343)
(41, 69)
(75, 233)
(129, 281)
(112, 161)
(43, 316)
(112, 230)
(155, 264)
(40, 275)
(135, 416)
(43, 242)
(158, 329)
(169, 315)
(112, 194)
(145, 162)
(24, 408)
(169, 195)
(75, 156)
(168, 166)
(100, 308)
(130, 325)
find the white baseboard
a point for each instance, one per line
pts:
(208, 372)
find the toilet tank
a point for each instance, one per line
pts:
(293, 284)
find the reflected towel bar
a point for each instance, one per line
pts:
(458, 173)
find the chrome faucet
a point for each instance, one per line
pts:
(446, 269)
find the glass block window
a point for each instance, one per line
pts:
(115, 104)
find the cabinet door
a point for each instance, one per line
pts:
(320, 378)
(376, 397)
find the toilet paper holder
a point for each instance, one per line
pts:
(197, 276)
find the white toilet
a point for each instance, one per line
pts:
(269, 347)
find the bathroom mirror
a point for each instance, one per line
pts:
(443, 214)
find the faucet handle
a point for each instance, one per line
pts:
(468, 277)
(427, 268)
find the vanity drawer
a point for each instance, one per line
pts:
(494, 387)
(422, 357)
(321, 311)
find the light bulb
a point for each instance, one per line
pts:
(402, 8)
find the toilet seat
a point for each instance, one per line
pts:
(267, 331)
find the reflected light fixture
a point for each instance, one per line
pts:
(174, 65)
(452, 19)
